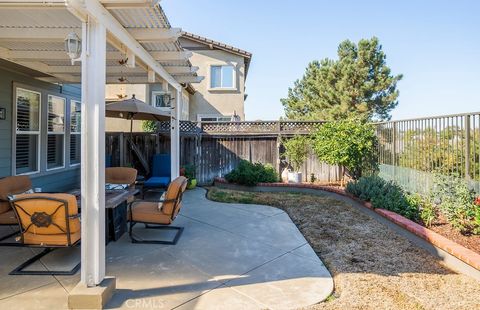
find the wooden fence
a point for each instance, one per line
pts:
(409, 151)
(217, 148)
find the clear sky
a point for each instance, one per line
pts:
(435, 44)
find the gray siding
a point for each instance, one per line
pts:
(49, 181)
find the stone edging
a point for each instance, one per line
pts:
(466, 255)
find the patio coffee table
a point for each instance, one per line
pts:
(116, 211)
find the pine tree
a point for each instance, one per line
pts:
(359, 84)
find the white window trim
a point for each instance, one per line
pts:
(217, 116)
(73, 133)
(160, 92)
(17, 132)
(57, 133)
(233, 88)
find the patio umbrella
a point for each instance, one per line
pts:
(134, 109)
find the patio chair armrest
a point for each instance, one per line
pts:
(148, 200)
(167, 200)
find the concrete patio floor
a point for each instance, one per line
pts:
(230, 256)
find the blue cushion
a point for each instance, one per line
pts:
(161, 165)
(157, 182)
(108, 161)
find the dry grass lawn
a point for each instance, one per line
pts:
(373, 268)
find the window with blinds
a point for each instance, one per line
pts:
(27, 134)
(56, 132)
(75, 125)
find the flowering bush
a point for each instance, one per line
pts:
(477, 201)
(458, 203)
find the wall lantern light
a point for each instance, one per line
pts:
(167, 98)
(73, 47)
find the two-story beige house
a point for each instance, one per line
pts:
(219, 96)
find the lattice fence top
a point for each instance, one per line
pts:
(273, 127)
(244, 127)
(248, 127)
(298, 127)
(185, 127)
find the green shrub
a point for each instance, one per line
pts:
(149, 126)
(348, 143)
(250, 174)
(296, 151)
(385, 195)
(366, 187)
(456, 201)
(428, 212)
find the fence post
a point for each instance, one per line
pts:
(394, 142)
(279, 139)
(198, 158)
(467, 147)
(121, 145)
(157, 143)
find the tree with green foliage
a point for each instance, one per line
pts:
(296, 151)
(348, 143)
(359, 84)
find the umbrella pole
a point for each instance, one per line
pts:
(131, 141)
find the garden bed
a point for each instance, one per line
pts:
(469, 255)
(372, 267)
(442, 227)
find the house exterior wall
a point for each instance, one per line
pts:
(54, 180)
(207, 101)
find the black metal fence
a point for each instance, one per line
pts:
(412, 151)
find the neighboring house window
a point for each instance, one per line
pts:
(215, 118)
(27, 138)
(222, 76)
(158, 100)
(75, 134)
(56, 132)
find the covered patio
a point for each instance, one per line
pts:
(89, 43)
(231, 256)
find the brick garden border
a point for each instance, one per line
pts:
(466, 255)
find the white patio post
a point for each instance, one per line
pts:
(93, 153)
(175, 135)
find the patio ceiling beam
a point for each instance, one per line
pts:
(61, 55)
(181, 69)
(128, 4)
(110, 79)
(96, 10)
(155, 34)
(19, 34)
(113, 4)
(39, 66)
(189, 78)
